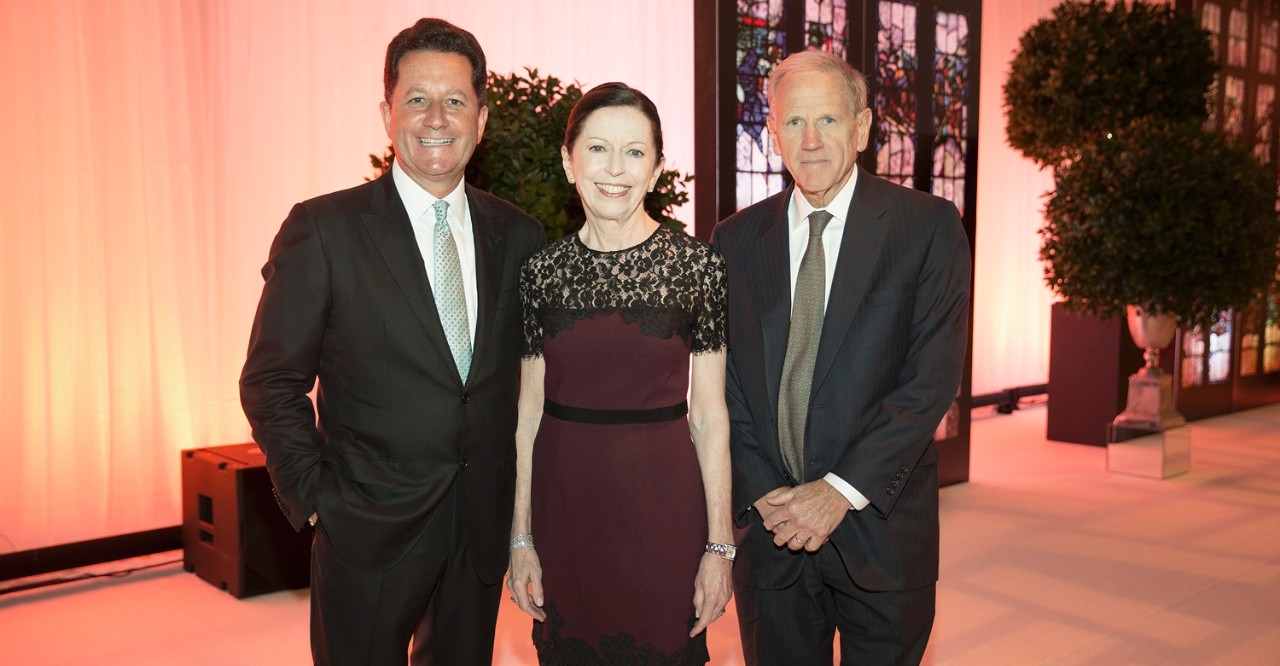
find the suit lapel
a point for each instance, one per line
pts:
(388, 225)
(864, 234)
(490, 244)
(773, 285)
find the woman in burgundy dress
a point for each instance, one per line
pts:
(623, 482)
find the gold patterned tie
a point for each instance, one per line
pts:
(807, 309)
(451, 300)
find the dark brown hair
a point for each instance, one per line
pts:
(433, 34)
(608, 95)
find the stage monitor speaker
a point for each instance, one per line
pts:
(233, 533)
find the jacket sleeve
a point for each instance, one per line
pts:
(883, 454)
(283, 360)
(753, 475)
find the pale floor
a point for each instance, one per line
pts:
(1047, 558)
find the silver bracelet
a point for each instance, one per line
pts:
(724, 550)
(522, 541)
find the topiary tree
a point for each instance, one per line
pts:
(519, 157)
(1092, 67)
(1167, 216)
(1149, 208)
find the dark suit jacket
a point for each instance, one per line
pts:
(889, 362)
(347, 300)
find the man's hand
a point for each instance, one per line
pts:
(802, 517)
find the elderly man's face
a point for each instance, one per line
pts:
(434, 119)
(816, 132)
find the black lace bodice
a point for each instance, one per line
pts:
(671, 284)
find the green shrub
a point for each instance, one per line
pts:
(1167, 216)
(1093, 67)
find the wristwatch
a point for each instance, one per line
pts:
(724, 550)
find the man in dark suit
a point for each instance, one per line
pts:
(844, 354)
(400, 296)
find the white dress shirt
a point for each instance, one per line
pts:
(798, 237)
(418, 203)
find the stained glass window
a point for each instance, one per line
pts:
(1260, 336)
(1266, 101)
(1249, 339)
(1211, 20)
(951, 113)
(1271, 334)
(1234, 106)
(1193, 354)
(826, 25)
(1238, 39)
(895, 80)
(761, 46)
(1220, 349)
(1268, 42)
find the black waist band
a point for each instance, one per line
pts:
(615, 416)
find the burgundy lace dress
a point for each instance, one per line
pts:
(618, 508)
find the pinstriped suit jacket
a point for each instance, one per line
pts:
(889, 362)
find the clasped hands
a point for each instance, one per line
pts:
(803, 517)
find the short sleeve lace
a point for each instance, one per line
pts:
(672, 284)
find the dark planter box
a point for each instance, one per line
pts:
(1090, 361)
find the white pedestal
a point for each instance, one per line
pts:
(1148, 450)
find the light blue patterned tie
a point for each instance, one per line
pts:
(807, 311)
(451, 300)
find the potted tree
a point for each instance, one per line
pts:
(1149, 210)
(1164, 217)
(1093, 67)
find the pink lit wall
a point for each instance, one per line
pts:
(152, 148)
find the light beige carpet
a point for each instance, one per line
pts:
(1047, 558)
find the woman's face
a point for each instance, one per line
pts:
(613, 163)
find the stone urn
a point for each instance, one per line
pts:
(1150, 400)
(1151, 332)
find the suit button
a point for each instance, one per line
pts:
(466, 398)
(902, 470)
(898, 475)
(889, 490)
(464, 464)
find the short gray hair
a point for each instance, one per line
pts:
(814, 60)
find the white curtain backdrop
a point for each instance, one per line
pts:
(152, 148)
(1011, 301)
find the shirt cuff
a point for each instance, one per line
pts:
(857, 501)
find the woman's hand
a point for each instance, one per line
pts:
(711, 591)
(524, 579)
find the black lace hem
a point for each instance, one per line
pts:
(619, 649)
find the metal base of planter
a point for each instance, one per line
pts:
(1149, 438)
(1153, 453)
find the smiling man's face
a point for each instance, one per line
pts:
(434, 119)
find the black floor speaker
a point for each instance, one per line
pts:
(233, 533)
